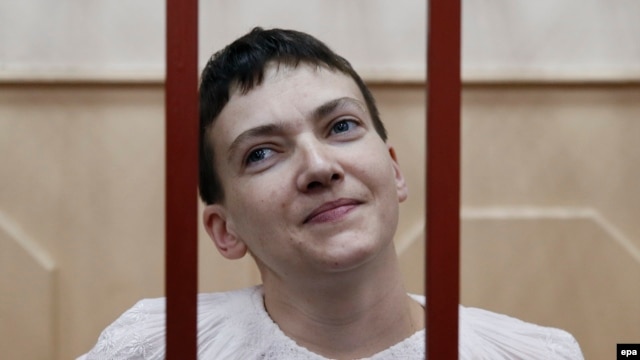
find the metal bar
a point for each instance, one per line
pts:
(443, 178)
(181, 175)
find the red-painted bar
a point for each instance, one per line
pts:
(181, 175)
(443, 178)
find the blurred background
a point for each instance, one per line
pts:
(550, 161)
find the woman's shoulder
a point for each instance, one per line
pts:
(139, 333)
(486, 334)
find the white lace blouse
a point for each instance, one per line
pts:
(235, 325)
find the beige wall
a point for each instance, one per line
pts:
(81, 184)
(550, 208)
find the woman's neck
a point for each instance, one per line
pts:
(346, 316)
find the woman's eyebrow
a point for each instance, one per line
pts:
(258, 131)
(280, 128)
(330, 106)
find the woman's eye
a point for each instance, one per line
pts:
(258, 155)
(343, 126)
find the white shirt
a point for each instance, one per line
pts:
(235, 325)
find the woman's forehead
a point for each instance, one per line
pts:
(288, 91)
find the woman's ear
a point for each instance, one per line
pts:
(220, 230)
(401, 184)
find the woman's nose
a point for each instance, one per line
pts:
(320, 168)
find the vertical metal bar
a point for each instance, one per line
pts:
(181, 175)
(443, 178)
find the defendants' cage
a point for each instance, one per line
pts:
(442, 164)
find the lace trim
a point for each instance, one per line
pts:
(235, 325)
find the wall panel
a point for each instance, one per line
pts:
(82, 175)
(27, 300)
(548, 207)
